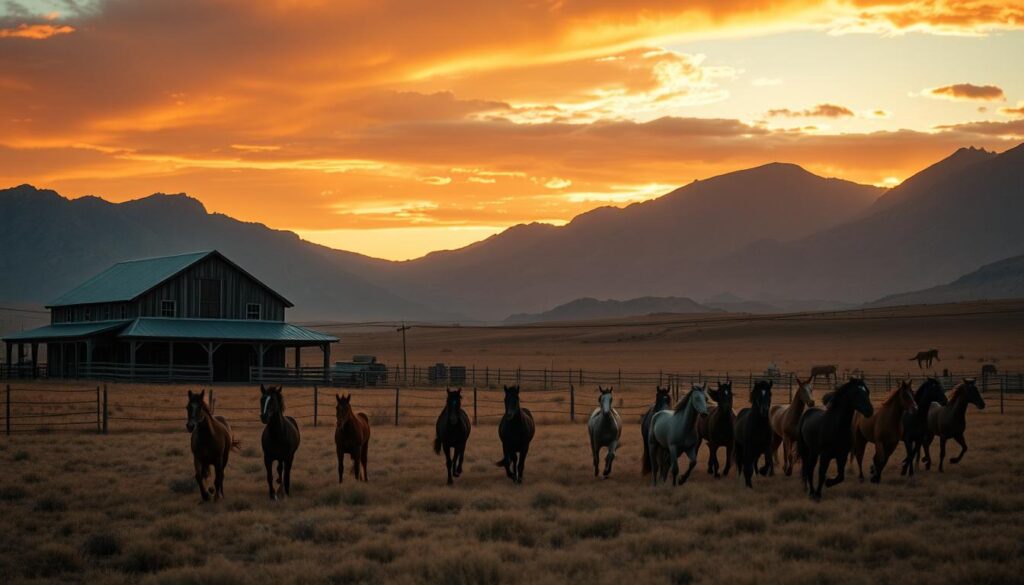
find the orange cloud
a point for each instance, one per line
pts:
(36, 32)
(1014, 112)
(967, 91)
(818, 111)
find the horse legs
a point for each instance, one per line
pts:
(280, 476)
(201, 480)
(824, 461)
(840, 470)
(364, 455)
(713, 459)
(595, 450)
(674, 462)
(269, 464)
(448, 462)
(341, 467)
(807, 466)
(610, 457)
(287, 484)
(908, 460)
(218, 481)
(652, 453)
(859, 446)
(963, 448)
(692, 455)
(927, 444)
(522, 463)
(460, 454)
(882, 454)
(728, 459)
(942, 452)
(355, 463)
(509, 462)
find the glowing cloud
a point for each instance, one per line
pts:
(967, 91)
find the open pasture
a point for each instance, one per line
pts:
(124, 508)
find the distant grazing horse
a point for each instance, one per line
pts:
(515, 430)
(280, 440)
(950, 421)
(925, 357)
(351, 437)
(212, 442)
(452, 432)
(825, 435)
(884, 428)
(754, 432)
(915, 425)
(989, 370)
(662, 398)
(605, 429)
(716, 427)
(828, 371)
(675, 432)
(785, 423)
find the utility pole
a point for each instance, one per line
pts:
(405, 357)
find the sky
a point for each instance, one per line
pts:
(395, 128)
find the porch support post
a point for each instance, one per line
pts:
(327, 361)
(88, 356)
(134, 345)
(298, 362)
(260, 349)
(170, 360)
(10, 351)
(35, 359)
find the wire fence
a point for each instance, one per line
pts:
(43, 406)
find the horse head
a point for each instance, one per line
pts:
(699, 398)
(604, 399)
(856, 393)
(930, 391)
(804, 390)
(761, 397)
(196, 409)
(271, 402)
(973, 395)
(453, 404)
(662, 398)
(511, 401)
(906, 395)
(723, 394)
(343, 410)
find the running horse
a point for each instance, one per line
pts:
(280, 440)
(212, 442)
(925, 357)
(915, 426)
(452, 433)
(351, 437)
(754, 433)
(605, 429)
(785, 423)
(716, 427)
(675, 432)
(950, 421)
(662, 399)
(884, 428)
(825, 435)
(516, 430)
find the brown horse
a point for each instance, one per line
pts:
(716, 427)
(828, 371)
(884, 428)
(212, 442)
(280, 440)
(950, 421)
(352, 437)
(925, 357)
(785, 421)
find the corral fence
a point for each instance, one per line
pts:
(44, 406)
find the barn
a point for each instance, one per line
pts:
(196, 316)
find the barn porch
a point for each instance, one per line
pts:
(164, 349)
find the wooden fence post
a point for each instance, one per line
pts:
(396, 406)
(106, 409)
(7, 419)
(316, 400)
(99, 422)
(1002, 397)
(474, 405)
(474, 375)
(620, 378)
(572, 403)
(790, 384)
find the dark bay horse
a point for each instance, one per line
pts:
(925, 358)
(212, 442)
(662, 399)
(915, 426)
(451, 433)
(950, 421)
(825, 434)
(515, 430)
(351, 437)
(754, 432)
(785, 421)
(280, 440)
(717, 428)
(884, 429)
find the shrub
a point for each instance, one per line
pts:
(545, 499)
(601, 527)
(21, 455)
(505, 528)
(183, 486)
(50, 560)
(970, 502)
(378, 551)
(146, 557)
(795, 551)
(50, 504)
(10, 493)
(474, 569)
(101, 544)
(436, 503)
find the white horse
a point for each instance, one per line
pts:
(605, 427)
(675, 432)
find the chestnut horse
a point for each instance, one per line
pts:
(785, 422)
(352, 437)
(212, 442)
(280, 440)
(950, 421)
(884, 428)
(716, 427)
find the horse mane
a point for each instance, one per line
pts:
(682, 404)
(957, 391)
(895, 392)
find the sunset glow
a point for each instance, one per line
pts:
(398, 128)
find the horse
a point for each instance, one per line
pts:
(825, 435)
(212, 443)
(452, 432)
(950, 421)
(925, 357)
(884, 428)
(785, 423)
(280, 440)
(351, 437)
(828, 371)
(516, 430)
(716, 427)
(753, 432)
(662, 398)
(605, 429)
(915, 426)
(675, 432)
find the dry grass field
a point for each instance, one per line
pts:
(123, 508)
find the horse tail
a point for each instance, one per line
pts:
(236, 444)
(437, 445)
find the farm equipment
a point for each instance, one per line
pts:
(363, 370)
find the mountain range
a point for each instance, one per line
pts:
(776, 235)
(586, 309)
(999, 280)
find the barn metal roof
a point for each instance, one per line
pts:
(66, 331)
(126, 281)
(221, 330)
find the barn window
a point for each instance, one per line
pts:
(168, 309)
(209, 298)
(253, 311)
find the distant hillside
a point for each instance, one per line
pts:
(590, 309)
(999, 280)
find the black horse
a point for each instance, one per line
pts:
(753, 432)
(452, 433)
(915, 425)
(825, 434)
(515, 430)
(718, 428)
(280, 440)
(662, 400)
